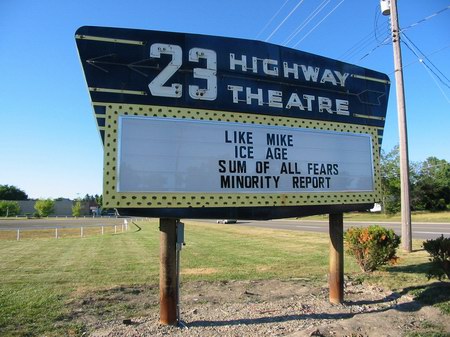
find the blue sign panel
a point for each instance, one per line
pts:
(227, 74)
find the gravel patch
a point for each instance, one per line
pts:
(275, 308)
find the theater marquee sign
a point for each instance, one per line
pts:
(204, 126)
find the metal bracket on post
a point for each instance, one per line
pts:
(180, 244)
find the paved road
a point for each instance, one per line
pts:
(420, 230)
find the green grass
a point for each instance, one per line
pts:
(40, 277)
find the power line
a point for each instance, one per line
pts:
(360, 45)
(384, 43)
(437, 83)
(423, 62)
(364, 43)
(311, 16)
(430, 71)
(424, 56)
(425, 19)
(284, 20)
(312, 29)
(273, 17)
(432, 53)
(375, 22)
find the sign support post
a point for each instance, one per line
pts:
(336, 278)
(168, 277)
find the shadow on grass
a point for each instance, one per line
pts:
(435, 294)
(420, 268)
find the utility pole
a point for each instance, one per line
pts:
(390, 7)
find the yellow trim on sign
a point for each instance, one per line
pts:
(107, 39)
(114, 199)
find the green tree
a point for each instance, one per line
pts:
(390, 180)
(10, 192)
(432, 188)
(9, 208)
(76, 208)
(99, 200)
(88, 198)
(44, 207)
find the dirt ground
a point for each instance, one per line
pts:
(259, 308)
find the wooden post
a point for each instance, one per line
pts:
(168, 277)
(336, 278)
(402, 131)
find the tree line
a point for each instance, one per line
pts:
(10, 195)
(429, 183)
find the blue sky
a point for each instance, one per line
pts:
(49, 144)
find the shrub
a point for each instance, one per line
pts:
(76, 209)
(9, 208)
(44, 207)
(372, 246)
(439, 250)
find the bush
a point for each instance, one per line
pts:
(9, 208)
(44, 207)
(439, 250)
(372, 246)
(76, 209)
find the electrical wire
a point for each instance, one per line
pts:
(305, 22)
(424, 56)
(375, 22)
(430, 71)
(318, 24)
(364, 43)
(421, 60)
(425, 19)
(435, 81)
(273, 17)
(367, 40)
(432, 53)
(284, 20)
(384, 43)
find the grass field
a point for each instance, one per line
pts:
(39, 277)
